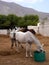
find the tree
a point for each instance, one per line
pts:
(31, 19)
(13, 20)
(3, 20)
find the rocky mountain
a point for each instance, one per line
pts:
(13, 8)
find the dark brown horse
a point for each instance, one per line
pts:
(31, 30)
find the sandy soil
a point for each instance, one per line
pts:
(10, 56)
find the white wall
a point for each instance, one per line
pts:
(44, 29)
(3, 31)
(41, 29)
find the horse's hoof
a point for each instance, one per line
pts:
(26, 56)
(31, 56)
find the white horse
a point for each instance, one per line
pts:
(28, 38)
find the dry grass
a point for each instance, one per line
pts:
(11, 57)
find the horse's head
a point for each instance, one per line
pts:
(40, 48)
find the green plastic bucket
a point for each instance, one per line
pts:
(39, 56)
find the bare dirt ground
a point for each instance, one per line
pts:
(9, 56)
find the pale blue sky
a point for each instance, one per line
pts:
(40, 5)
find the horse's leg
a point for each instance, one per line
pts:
(26, 49)
(15, 43)
(30, 50)
(12, 43)
(17, 46)
(20, 45)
